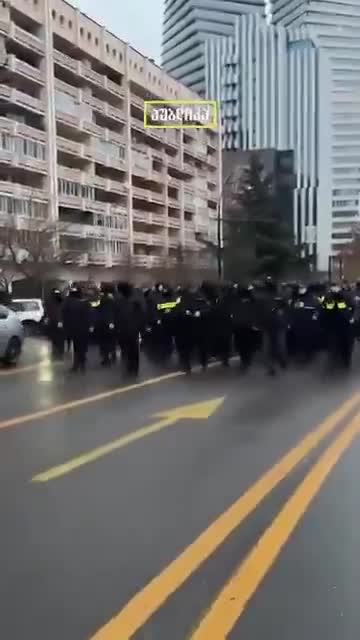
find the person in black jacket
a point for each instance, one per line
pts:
(273, 320)
(245, 329)
(130, 318)
(77, 325)
(55, 324)
(105, 327)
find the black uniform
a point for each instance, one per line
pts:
(338, 324)
(191, 328)
(245, 320)
(55, 324)
(105, 328)
(77, 324)
(130, 324)
(273, 320)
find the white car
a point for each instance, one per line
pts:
(30, 312)
(11, 336)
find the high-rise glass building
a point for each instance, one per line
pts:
(296, 84)
(188, 24)
(266, 80)
(334, 29)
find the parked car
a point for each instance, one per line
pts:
(11, 336)
(30, 312)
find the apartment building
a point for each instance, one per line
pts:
(74, 150)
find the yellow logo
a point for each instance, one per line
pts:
(180, 114)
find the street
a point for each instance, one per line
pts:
(177, 507)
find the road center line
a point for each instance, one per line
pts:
(231, 602)
(147, 601)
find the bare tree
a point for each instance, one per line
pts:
(32, 248)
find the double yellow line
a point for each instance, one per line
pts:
(231, 602)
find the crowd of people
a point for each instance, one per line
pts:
(285, 323)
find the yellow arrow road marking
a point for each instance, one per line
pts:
(196, 411)
(233, 599)
(147, 601)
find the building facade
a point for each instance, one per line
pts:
(334, 29)
(267, 79)
(74, 151)
(188, 25)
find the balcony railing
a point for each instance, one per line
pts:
(92, 76)
(174, 223)
(21, 99)
(174, 203)
(113, 87)
(149, 218)
(67, 62)
(25, 70)
(26, 39)
(149, 261)
(69, 146)
(137, 124)
(22, 192)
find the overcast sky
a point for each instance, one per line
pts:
(138, 22)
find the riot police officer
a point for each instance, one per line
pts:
(55, 324)
(77, 325)
(105, 328)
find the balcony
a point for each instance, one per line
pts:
(137, 124)
(23, 161)
(26, 39)
(149, 218)
(136, 100)
(174, 223)
(114, 88)
(79, 230)
(67, 62)
(148, 195)
(174, 203)
(69, 146)
(149, 262)
(25, 70)
(22, 192)
(121, 188)
(174, 242)
(106, 109)
(92, 76)
(21, 99)
(98, 258)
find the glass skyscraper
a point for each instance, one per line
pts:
(188, 25)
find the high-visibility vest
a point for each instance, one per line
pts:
(342, 305)
(330, 306)
(167, 306)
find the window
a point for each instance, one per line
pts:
(120, 57)
(114, 53)
(89, 36)
(62, 20)
(30, 208)
(6, 141)
(70, 24)
(96, 42)
(107, 48)
(53, 13)
(135, 65)
(81, 31)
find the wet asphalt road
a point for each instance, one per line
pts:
(83, 548)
